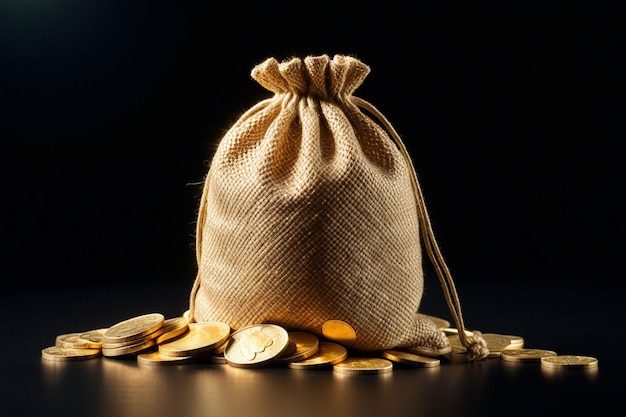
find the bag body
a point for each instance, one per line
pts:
(309, 215)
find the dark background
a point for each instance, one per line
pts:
(110, 111)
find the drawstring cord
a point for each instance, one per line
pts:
(475, 344)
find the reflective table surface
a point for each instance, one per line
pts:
(573, 319)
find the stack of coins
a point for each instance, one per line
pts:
(132, 336)
(155, 340)
(549, 359)
(128, 337)
(75, 346)
(198, 342)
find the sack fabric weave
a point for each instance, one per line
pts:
(311, 212)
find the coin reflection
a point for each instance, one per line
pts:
(589, 374)
(122, 387)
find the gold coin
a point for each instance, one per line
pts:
(327, 354)
(339, 331)
(62, 354)
(93, 338)
(496, 343)
(219, 350)
(455, 343)
(453, 330)
(256, 345)
(291, 348)
(71, 340)
(517, 342)
(439, 322)
(364, 366)
(171, 329)
(199, 338)
(429, 351)
(134, 342)
(217, 354)
(133, 328)
(141, 346)
(525, 354)
(306, 345)
(569, 362)
(410, 358)
(157, 358)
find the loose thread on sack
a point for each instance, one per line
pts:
(199, 227)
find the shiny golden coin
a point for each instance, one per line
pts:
(157, 358)
(327, 355)
(517, 342)
(156, 335)
(455, 344)
(429, 351)
(339, 331)
(525, 355)
(133, 342)
(364, 366)
(133, 328)
(410, 358)
(439, 322)
(199, 338)
(219, 350)
(256, 345)
(71, 340)
(139, 347)
(306, 345)
(62, 354)
(569, 362)
(126, 344)
(495, 343)
(217, 354)
(291, 348)
(93, 338)
(171, 329)
(453, 330)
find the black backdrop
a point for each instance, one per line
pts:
(110, 112)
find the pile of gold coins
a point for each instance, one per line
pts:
(155, 340)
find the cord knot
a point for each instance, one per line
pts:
(476, 346)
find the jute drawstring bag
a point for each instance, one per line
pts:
(311, 214)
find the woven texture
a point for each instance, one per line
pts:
(308, 215)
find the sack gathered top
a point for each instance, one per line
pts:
(312, 216)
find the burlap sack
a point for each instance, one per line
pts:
(311, 214)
